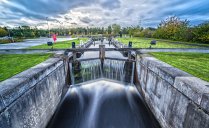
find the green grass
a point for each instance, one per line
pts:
(11, 65)
(59, 45)
(190, 43)
(196, 64)
(145, 43)
(6, 41)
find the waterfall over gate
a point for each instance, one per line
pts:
(114, 69)
(91, 70)
(92, 102)
(82, 71)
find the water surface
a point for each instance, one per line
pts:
(102, 104)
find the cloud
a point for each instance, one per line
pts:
(100, 12)
(85, 20)
(110, 4)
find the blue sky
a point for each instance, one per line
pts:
(82, 13)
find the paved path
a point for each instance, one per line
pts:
(194, 50)
(29, 43)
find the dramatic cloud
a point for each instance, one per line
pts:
(110, 4)
(73, 13)
(85, 20)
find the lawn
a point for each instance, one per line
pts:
(11, 65)
(60, 45)
(6, 41)
(196, 64)
(145, 43)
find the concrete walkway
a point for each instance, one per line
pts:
(30, 42)
(193, 50)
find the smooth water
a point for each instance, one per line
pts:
(102, 104)
(95, 54)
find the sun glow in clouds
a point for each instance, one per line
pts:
(74, 13)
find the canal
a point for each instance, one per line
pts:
(103, 96)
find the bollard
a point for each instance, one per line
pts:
(73, 44)
(102, 55)
(129, 52)
(50, 44)
(102, 52)
(153, 42)
(130, 44)
(74, 53)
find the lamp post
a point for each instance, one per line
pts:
(8, 29)
(47, 19)
(61, 24)
(61, 27)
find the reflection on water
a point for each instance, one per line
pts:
(102, 104)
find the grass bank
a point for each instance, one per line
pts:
(15, 40)
(60, 45)
(11, 65)
(196, 64)
(145, 43)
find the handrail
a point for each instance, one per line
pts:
(108, 58)
(137, 50)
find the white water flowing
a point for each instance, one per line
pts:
(111, 69)
(101, 97)
(102, 104)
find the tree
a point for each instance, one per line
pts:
(25, 27)
(148, 32)
(125, 30)
(3, 32)
(103, 30)
(130, 31)
(109, 29)
(134, 31)
(201, 33)
(116, 29)
(172, 28)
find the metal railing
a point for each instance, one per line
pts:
(137, 50)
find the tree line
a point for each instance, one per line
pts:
(172, 28)
(28, 32)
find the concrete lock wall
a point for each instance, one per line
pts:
(176, 98)
(30, 98)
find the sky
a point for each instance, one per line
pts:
(99, 13)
